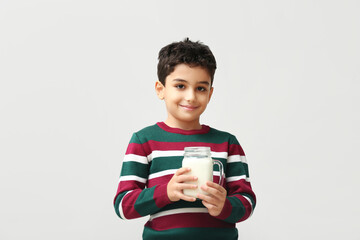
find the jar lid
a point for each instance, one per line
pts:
(199, 152)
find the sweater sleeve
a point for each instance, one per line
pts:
(241, 199)
(133, 199)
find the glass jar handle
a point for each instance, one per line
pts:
(221, 170)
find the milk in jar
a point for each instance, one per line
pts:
(201, 165)
(199, 160)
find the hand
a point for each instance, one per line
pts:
(215, 201)
(176, 185)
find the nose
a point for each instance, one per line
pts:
(190, 95)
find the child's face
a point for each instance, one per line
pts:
(186, 94)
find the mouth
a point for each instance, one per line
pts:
(188, 107)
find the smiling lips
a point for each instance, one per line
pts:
(188, 107)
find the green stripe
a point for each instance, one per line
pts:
(134, 168)
(237, 169)
(183, 204)
(135, 139)
(233, 140)
(236, 212)
(145, 203)
(165, 163)
(223, 161)
(191, 233)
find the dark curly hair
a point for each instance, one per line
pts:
(188, 52)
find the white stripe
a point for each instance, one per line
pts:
(135, 158)
(173, 153)
(237, 178)
(172, 171)
(120, 206)
(178, 211)
(219, 154)
(236, 158)
(156, 154)
(247, 198)
(162, 173)
(216, 173)
(132, 178)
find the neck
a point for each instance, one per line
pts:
(195, 125)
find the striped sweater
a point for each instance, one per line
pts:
(153, 156)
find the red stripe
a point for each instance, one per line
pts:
(151, 145)
(165, 179)
(226, 212)
(159, 180)
(236, 149)
(129, 185)
(216, 180)
(155, 145)
(204, 129)
(240, 186)
(160, 196)
(136, 148)
(187, 220)
(128, 203)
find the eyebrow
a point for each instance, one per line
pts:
(182, 80)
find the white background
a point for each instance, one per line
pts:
(77, 79)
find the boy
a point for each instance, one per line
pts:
(152, 179)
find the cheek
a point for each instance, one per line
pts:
(204, 99)
(175, 98)
(171, 101)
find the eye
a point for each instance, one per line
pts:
(201, 89)
(180, 86)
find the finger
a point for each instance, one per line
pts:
(213, 191)
(186, 178)
(181, 171)
(209, 199)
(209, 206)
(216, 186)
(213, 210)
(186, 198)
(183, 186)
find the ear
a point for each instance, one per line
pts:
(159, 88)
(211, 92)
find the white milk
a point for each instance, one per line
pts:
(201, 168)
